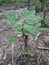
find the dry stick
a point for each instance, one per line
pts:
(43, 48)
(4, 50)
(36, 39)
(13, 50)
(5, 30)
(12, 54)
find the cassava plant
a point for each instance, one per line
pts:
(28, 26)
(28, 23)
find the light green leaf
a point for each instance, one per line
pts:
(26, 12)
(37, 25)
(30, 29)
(28, 16)
(10, 18)
(32, 12)
(29, 21)
(18, 27)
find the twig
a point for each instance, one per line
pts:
(43, 48)
(12, 53)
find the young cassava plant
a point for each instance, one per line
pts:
(29, 17)
(28, 26)
(31, 27)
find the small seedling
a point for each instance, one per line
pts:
(40, 58)
(28, 53)
(29, 26)
(29, 17)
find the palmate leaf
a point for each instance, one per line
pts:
(30, 29)
(18, 27)
(12, 39)
(32, 12)
(28, 16)
(29, 21)
(26, 12)
(10, 18)
(34, 17)
(27, 27)
(37, 25)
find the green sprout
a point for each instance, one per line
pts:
(40, 58)
(28, 53)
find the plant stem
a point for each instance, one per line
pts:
(26, 42)
(44, 14)
(23, 32)
(28, 4)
